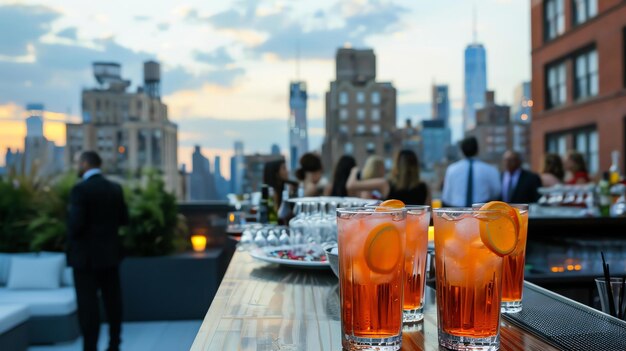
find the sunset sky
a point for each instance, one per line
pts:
(227, 64)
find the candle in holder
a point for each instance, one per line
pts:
(198, 242)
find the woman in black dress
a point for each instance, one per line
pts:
(403, 184)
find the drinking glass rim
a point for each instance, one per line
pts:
(516, 205)
(370, 209)
(463, 210)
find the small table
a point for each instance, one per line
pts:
(261, 307)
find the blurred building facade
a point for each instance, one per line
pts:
(130, 130)
(441, 103)
(40, 156)
(237, 167)
(475, 83)
(521, 109)
(298, 132)
(201, 181)
(360, 112)
(496, 133)
(221, 184)
(579, 79)
(436, 138)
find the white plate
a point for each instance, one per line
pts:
(261, 254)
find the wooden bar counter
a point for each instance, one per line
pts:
(265, 307)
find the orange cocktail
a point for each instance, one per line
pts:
(469, 249)
(513, 267)
(417, 220)
(371, 247)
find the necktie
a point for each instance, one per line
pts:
(509, 190)
(470, 186)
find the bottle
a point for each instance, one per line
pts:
(615, 175)
(263, 212)
(284, 210)
(272, 214)
(604, 195)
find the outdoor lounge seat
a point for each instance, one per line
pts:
(13, 327)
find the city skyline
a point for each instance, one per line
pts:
(235, 80)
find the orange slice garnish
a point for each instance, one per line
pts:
(389, 204)
(383, 248)
(500, 234)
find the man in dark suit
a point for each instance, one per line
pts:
(96, 211)
(518, 185)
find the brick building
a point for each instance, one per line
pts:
(579, 79)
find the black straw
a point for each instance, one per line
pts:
(609, 290)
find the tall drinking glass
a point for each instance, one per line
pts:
(371, 247)
(513, 265)
(469, 280)
(417, 220)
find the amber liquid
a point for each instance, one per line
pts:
(513, 266)
(415, 260)
(371, 303)
(468, 280)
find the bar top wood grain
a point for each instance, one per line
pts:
(266, 307)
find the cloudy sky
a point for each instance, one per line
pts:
(227, 64)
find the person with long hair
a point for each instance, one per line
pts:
(577, 169)
(374, 168)
(404, 183)
(552, 172)
(275, 175)
(342, 171)
(310, 174)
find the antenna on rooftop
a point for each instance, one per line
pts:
(474, 24)
(298, 59)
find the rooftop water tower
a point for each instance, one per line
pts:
(109, 75)
(152, 79)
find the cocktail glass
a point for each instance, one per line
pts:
(371, 246)
(513, 265)
(469, 280)
(416, 251)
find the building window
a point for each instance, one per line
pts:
(360, 129)
(370, 147)
(556, 85)
(343, 129)
(343, 98)
(360, 114)
(553, 19)
(586, 68)
(586, 142)
(343, 114)
(348, 148)
(584, 10)
(376, 129)
(557, 144)
(360, 97)
(375, 98)
(375, 114)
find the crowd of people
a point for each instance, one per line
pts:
(466, 181)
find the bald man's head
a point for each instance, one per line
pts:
(512, 161)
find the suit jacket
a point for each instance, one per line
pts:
(96, 211)
(525, 190)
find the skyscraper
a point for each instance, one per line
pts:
(40, 154)
(298, 133)
(360, 112)
(237, 164)
(441, 104)
(130, 130)
(221, 185)
(475, 83)
(201, 181)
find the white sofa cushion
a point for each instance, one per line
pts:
(35, 272)
(5, 264)
(56, 302)
(11, 316)
(67, 278)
